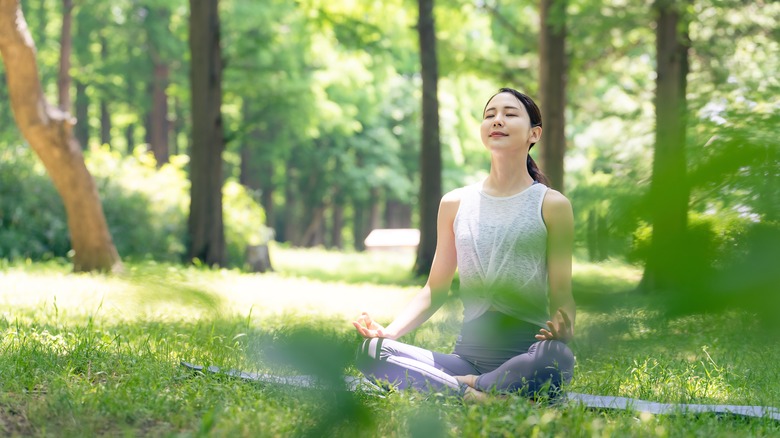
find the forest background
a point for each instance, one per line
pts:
(323, 137)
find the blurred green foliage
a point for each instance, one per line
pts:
(146, 207)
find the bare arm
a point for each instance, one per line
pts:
(435, 291)
(559, 218)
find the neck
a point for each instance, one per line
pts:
(508, 175)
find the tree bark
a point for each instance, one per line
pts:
(158, 123)
(105, 115)
(668, 188)
(66, 47)
(205, 224)
(337, 228)
(552, 89)
(430, 150)
(82, 115)
(49, 132)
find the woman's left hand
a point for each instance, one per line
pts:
(560, 329)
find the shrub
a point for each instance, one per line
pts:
(145, 207)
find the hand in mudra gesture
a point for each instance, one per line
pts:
(559, 329)
(367, 327)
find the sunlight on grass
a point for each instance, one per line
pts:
(96, 354)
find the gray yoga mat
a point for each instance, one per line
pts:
(591, 401)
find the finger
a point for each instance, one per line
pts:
(565, 317)
(553, 328)
(545, 333)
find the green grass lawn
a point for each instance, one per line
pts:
(95, 355)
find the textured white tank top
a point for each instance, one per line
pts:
(501, 245)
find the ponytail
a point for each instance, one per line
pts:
(534, 171)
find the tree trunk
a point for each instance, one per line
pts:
(49, 132)
(105, 123)
(105, 115)
(336, 241)
(397, 214)
(552, 89)
(205, 226)
(668, 188)
(82, 115)
(359, 232)
(158, 123)
(66, 47)
(430, 150)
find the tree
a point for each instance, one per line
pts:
(552, 89)
(66, 47)
(430, 150)
(668, 189)
(49, 132)
(205, 225)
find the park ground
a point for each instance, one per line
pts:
(97, 355)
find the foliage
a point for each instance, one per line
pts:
(321, 108)
(32, 217)
(146, 207)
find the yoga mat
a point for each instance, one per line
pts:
(591, 401)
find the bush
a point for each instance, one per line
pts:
(145, 207)
(32, 217)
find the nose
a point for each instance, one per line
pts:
(498, 121)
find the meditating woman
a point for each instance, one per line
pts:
(510, 237)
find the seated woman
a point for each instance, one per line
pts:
(510, 237)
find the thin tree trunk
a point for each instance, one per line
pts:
(430, 150)
(82, 115)
(668, 188)
(105, 115)
(158, 123)
(66, 47)
(359, 232)
(105, 123)
(205, 225)
(552, 89)
(49, 132)
(336, 241)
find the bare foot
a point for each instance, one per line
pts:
(469, 380)
(474, 395)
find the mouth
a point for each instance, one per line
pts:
(497, 134)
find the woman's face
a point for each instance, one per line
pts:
(506, 124)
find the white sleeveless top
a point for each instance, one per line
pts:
(501, 245)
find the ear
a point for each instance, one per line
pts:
(536, 134)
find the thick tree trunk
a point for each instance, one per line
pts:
(668, 189)
(66, 47)
(49, 132)
(205, 225)
(552, 89)
(430, 150)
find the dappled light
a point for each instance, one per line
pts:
(206, 205)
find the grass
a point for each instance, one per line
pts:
(94, 355)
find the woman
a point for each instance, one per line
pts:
(510, 237)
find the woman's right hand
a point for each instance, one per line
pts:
(368, 328)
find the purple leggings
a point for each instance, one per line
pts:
(538, 365)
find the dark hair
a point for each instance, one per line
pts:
(535, 115)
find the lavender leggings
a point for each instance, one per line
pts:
(499, 349)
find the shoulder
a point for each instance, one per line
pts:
(451, 201)
(556, 209)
